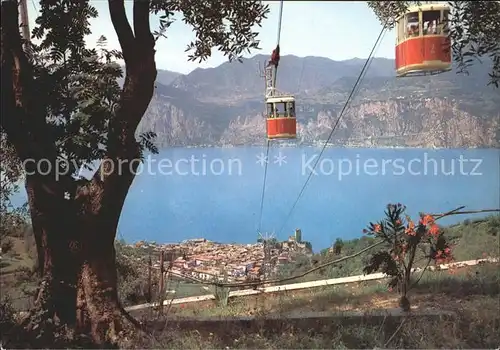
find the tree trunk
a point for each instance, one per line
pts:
(79, 277)
(80, 289)
(54, 223)
(404, 302)
(99, 311)
(75, 237)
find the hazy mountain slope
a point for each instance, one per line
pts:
(223, 105)
(166, 77)
(243, 81)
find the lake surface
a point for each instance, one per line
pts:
(216, 193)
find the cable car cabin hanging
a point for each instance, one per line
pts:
(423, 45)
(280, 116)
(281, 122)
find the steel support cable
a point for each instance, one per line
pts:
(351, 95)
(280, 20)
(266, 160)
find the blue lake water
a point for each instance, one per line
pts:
(216, 193)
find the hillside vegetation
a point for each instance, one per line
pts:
(466, 292)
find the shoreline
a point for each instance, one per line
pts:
(319, 145)
(479, 217)
(203, 259)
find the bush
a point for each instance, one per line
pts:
(133, 281)
(403, 240)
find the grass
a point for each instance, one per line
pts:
(469, 330)
(18, 256)
(482, 280)
(185, 289)
(472, 294)
(16, 265)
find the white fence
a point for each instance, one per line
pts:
(306, 285)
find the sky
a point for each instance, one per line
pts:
(337, 30)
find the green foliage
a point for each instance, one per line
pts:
(301, 263)
(146, 142)
(337, 246)
(475, 33)
(133, 284)
(475, 239)
(13, 219)
(225, 25)
(388, 11)
(79, 90)
(474, 30)
(10, 170)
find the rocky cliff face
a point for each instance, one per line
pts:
(429, 123)
(223, 106)
(176, 126)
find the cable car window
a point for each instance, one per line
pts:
(401, 30)
(280, 109)
(432, 21)
(412, 29)
(291, 109)
(445, 22)
(270, 113)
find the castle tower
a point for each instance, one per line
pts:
(298, 235)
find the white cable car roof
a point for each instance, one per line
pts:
(280, 98)
(425, 7)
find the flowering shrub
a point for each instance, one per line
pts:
(405, 242)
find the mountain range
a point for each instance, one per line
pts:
(224, 106)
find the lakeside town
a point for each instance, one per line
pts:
(206, 260)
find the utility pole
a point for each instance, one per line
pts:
(162, 274)
(150, 268)
(23, 11)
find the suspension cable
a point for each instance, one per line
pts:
(351, 95)
(280, 20)
(266, 159)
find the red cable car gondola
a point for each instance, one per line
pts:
(423, 45)
(281, 122)
(280, 116)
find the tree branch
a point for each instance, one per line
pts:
(117, 169)
(26, 130)
(141, 20)
(11, 120)
(122, 27)
(421, 274)
(467, 212)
